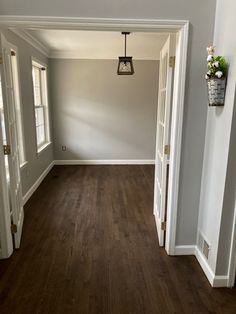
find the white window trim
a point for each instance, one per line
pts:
(23, 165)
(44, 147)
(48, 142)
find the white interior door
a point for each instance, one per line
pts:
(163, 140)
(6, 245)
(16, 201)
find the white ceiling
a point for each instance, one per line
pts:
(99, 45)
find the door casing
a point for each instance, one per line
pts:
(135, 25)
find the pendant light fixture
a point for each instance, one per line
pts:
(125, 65)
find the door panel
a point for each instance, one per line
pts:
(16, 201)
(6, 244)
(162, 141)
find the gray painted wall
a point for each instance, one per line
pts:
(201, 15)
(219, 171)
(36, 163)
(100, 115)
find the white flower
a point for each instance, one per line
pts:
(209, 73)
(206, 77)
(219, 74)
(210, 58)
(211, 50)
(216, 64)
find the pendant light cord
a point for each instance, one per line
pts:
(125, 45)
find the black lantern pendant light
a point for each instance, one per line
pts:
(125, 65)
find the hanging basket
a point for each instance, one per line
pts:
(216, 91)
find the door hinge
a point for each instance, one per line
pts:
(6, 149)
(1, 60)
(167, 150)
(13, 228)
(163, 225)
(172, 62)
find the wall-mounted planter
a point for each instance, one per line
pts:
(216, 91)
(216, 78)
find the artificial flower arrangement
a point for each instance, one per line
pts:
(216, 77)
(217, 65)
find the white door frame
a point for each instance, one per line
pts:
(135, 25)
(232, 256)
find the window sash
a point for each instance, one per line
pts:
(37, 83)
(40, 105)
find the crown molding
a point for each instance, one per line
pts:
(24, 34)
(52, 22)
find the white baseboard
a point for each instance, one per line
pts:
(106, 162)
(220, 281)
(34, 187)
(185, 250)
(215, 281)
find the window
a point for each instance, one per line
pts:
(16, 87)
(41, 105)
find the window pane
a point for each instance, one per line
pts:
(36, 76)
(39, 116)
(37, 86)
(40, 135)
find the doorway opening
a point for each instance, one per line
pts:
(170, 148)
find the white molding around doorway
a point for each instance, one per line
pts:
(74, 23)
(137, 25)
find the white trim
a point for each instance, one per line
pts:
(106, 162)
(185, 250)
(26, 36)
(205, 266)
(37, 183)
(176, 138)
(220, 281)
(23, 165)
(214, 280)
(52, 22)
(232, 256)
(42, 148)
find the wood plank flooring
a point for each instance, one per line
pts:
(90, 246)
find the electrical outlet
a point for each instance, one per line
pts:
(63, 148)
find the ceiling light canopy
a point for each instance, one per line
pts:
(125, 65)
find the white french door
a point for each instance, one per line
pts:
(12, 147)
(163, 140)
(6, 245)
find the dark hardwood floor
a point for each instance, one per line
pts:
(89, 245)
